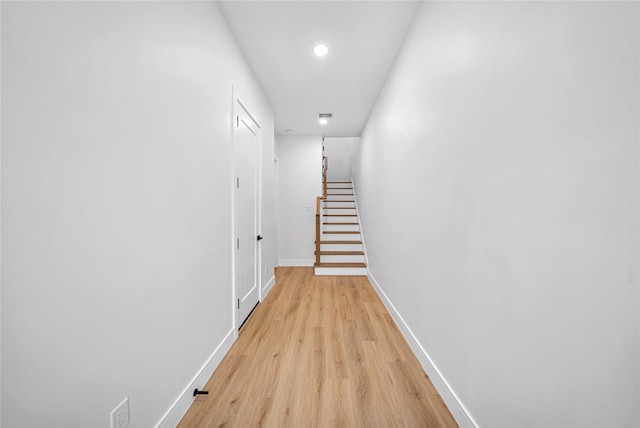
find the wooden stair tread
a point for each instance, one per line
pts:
(342, 197)
(336, 222)
(332, 265)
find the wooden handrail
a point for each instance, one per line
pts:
(319, 200)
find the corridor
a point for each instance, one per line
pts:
(319, 351)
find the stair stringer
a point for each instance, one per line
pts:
(364, 246)
(341, 270)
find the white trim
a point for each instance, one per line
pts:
(178, 409)
(239, 101)
(267, 288)
(303, 263)
(0, 238)
(247, 108)
(340, 271)
(457, 409)
(364, 246)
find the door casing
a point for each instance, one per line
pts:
(241, 106)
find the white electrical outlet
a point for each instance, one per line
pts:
(120, 415)
(265, 269)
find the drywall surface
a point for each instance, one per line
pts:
(339, 152)
(498, 186)
(299, 184)
(116, 204)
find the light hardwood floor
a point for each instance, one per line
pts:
(320, 351)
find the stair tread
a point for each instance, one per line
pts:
(338, 194)
(341, 265)
(341, 232)
(339, 215)
(340, 242)
(341, 253)
(338, 182)
(339, 222)
(339, 208)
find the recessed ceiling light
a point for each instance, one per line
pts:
(324, 118)
(288, 131)
(320, 50)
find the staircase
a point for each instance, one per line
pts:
(341, 250)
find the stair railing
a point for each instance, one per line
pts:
(319, 200)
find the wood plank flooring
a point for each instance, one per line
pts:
(319, 352)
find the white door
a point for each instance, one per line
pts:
(245, 153)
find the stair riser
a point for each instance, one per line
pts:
(340, 219)
(341, 247)
(341, 211)
(341, 271)
(338, 204)
(341, 259)
(340, 237)
(339, 195)
(345, 200)
(340, 227)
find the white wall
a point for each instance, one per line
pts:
(339, 152)
(300, 183)
(269, 196)
(508, 132)
(116, 215)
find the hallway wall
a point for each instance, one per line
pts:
(498, 188)
(339, 152)
(116, 205)
(299, 184)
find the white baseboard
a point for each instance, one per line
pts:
(178, 409)
(267, 288)
(288, 263)
(457, 409)
(341, 271)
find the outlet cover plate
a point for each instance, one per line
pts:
(120, 415)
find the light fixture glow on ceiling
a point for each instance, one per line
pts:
(320, 50)
(324, 118)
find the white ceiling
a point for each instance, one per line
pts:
(278, 37)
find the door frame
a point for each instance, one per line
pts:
(238, 102)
